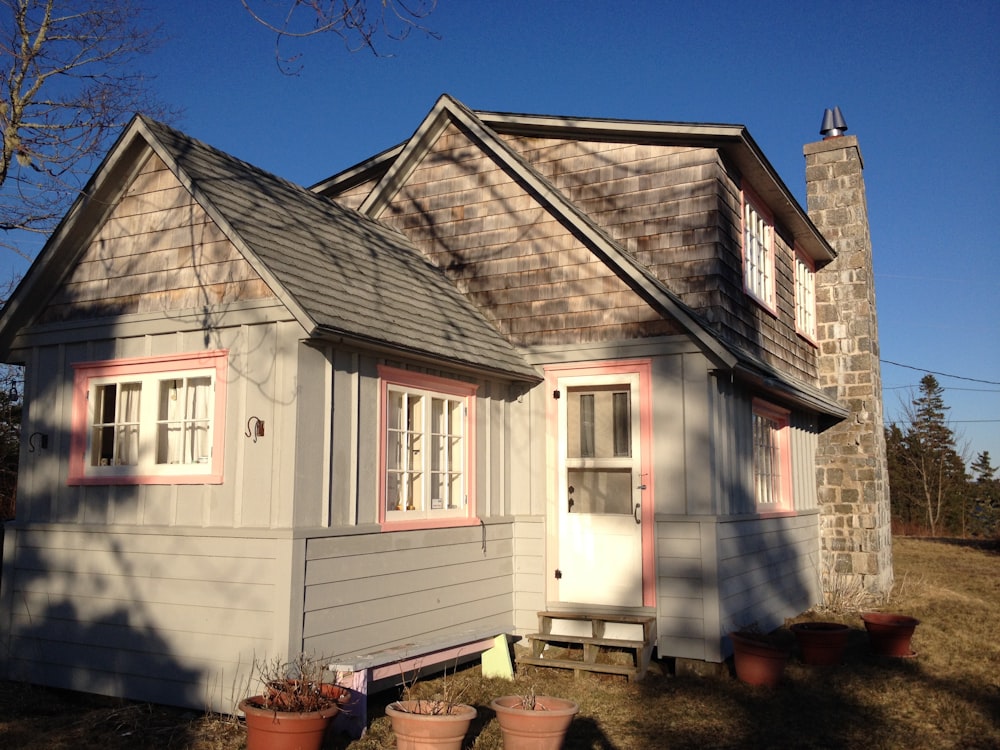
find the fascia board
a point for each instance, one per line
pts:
(408, 159)
(357, 174)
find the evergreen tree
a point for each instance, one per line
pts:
(905, 508)
(985, 498)
(931, 465)
(10, 438)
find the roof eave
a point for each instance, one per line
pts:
(325, 334)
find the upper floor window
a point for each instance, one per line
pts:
(156, 420)
(772, 465)
(758, 251)
(805, 296)
(427, 448)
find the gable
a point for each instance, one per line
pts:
(514, 259)
(157, 251)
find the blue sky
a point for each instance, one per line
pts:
(918, 83)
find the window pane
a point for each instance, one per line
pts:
(183, 434)
(115, 430)
(425, 451)
(623, 424)
(600, 490)
(586, 425)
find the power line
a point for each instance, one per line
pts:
(942, 374)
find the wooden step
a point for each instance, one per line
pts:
(594, 644)
(578, 666)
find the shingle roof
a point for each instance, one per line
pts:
(343, 272)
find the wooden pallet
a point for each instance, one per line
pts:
(586, 649)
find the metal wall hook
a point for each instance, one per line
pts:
(255, 428)
(43, 442)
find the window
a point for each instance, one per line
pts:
(805, 296)
(772, 468)
(155, 420)
(427, 448)
(758, 252)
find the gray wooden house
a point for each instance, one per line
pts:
(516, 364)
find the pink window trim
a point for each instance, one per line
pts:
(422, 381)
(643, 368)
(786, 501)
(216, 359)
(747, 195)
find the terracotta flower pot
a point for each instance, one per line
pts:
(890, 635)
(542, 728)
(821, 643)
(757, 660)
(415, 731)
(268, 729)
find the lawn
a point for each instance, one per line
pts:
(948, 696)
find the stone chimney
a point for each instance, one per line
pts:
(856, 539)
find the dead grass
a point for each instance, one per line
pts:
(947, 697)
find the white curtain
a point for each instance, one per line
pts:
(127, 425)
(185, 421)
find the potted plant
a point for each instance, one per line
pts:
(294, 708)
(758, 658)
(821, 643)
(533, 722)
(890, 635)
(438, 722)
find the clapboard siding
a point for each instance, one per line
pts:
(374, 591)
(108, 611)
(768, 569)
(529, 573)
(157, 251)
(681, 591)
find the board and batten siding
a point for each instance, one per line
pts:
(262, 381)
(370, 592)
(173, 618)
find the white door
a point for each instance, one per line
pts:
(599, 491)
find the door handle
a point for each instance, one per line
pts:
(637, 513)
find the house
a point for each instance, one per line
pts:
(516, 364)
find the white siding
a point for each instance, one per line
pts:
(369, 592)
(156, 616)
(768, 570)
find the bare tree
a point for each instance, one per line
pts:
(360, 24)
(70, 81)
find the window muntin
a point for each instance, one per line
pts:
(151, 420)
(771, 458)
(758, 252)
(805, 296)
(427, 448)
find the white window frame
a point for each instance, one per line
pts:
(413, 457)
(137, 456)
(805, 296)
(758, 251)
(771, 458)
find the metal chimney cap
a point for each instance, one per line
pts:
(833, 123)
